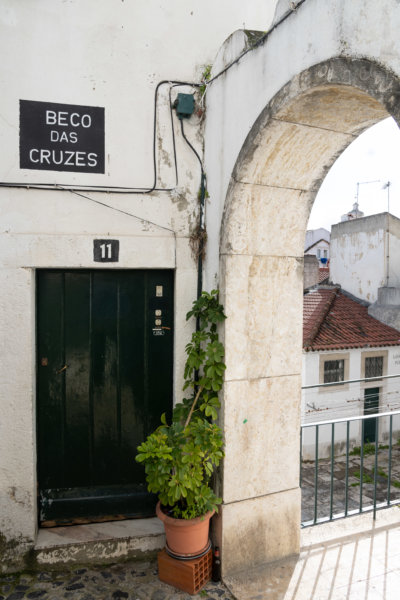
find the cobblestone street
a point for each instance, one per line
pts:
(130, 580)
(139, 580)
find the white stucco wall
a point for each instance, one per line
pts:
(393, 253)
(359, 255)
(111, 55)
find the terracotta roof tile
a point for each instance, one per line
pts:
(333, 321)
(323, 274)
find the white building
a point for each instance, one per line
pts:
(99, 201)
(342, 342)
(343, 329)
(365, 255)
(317, 244)
(99, 209)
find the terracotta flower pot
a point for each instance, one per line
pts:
(186, 537)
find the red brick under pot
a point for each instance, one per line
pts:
(186, 537)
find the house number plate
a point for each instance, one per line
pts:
(106, 250)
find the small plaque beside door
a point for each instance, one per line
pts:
(158, 331)
(106, 250)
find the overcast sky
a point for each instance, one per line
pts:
(374, 155)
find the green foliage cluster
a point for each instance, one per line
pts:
(368, 449)
(180, 458)
(366, 478)
(205, 78)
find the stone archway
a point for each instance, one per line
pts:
(277, 174)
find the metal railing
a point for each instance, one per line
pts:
(329, 484)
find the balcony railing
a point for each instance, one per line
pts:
(340, 475)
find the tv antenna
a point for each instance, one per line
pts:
(363, 183)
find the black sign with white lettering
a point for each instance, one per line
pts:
(61, 137)
(106, 250)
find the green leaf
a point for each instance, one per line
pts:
(179, 459)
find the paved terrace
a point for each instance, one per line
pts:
(347, 559)
(350, 559)
(354, 476)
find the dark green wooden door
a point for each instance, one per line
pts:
(105, 356)
(371, 407)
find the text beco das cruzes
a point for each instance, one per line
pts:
(61, 137)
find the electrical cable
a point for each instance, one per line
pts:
(355, 393)
(326, 413)
(173, 133)
(314, 395)
(325, 405)
(124, 212)
(346, 406)
(120, 189)
(393, 405)
(153, 188)
(201, 220)
(318, 408)
(192, 147)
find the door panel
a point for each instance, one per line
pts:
(104, 378)
(76, 380)
(104, 353)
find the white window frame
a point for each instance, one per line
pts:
(345, 356)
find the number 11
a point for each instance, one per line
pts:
(103, 250)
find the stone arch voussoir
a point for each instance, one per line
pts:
(368, 78)
(288, 151)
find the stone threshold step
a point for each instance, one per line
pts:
(99, 542)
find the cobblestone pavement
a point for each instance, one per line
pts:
(130, 580)
(339, 483)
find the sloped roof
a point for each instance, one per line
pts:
(323, 274)
(333, 321)
(315, 243)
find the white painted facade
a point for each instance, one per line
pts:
(110, 55)
(320, 249)
(275, 122)
(347, 400)
(314, 235)
(365, 255)
(359, 264)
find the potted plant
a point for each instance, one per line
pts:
(180, 458)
